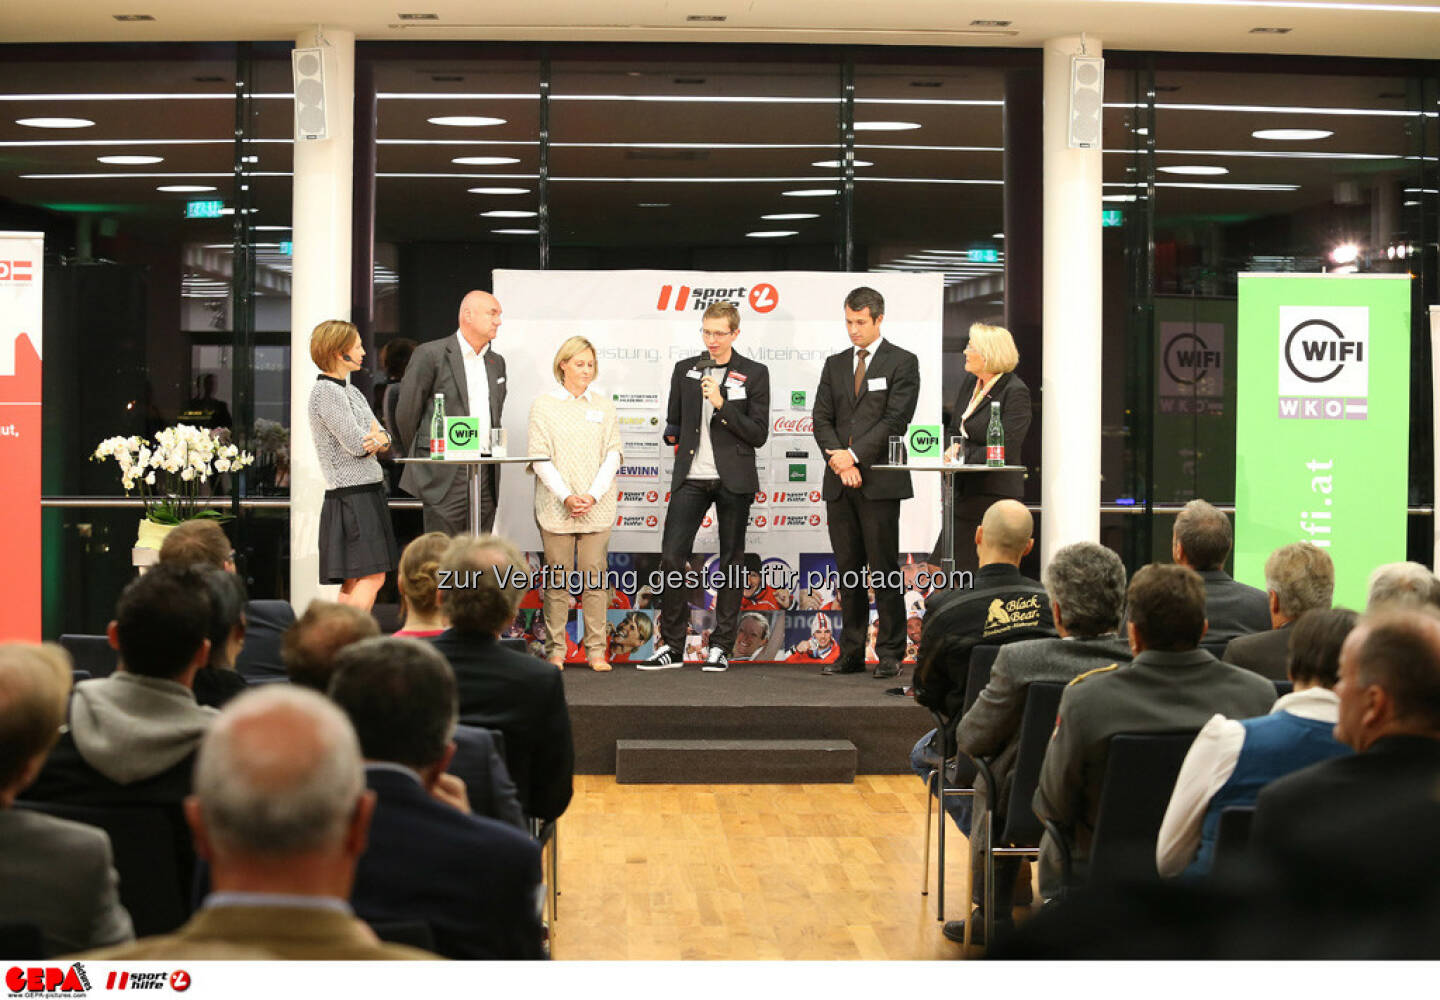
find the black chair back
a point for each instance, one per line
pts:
(21, 942)
(1042, 703)
(91, 653)
(415, 933)
(1282, 688)
(1232, 842)
(153, 855)
(982, 658)
(1140, 773)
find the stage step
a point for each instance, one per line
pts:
(714, 762)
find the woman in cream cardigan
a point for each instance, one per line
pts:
(575, 494)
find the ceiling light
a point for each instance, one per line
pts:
(133, 17)
(1117, 197)
(509, 213)
(840, 163)
(418, 17)
(483, 161)
(1345, 253)
(1142, 131)
(987, 23)
(55, 122)
(1291, 134)
(705, 18)
(465, 121)
(997, 236)
(885, 126)
(788, 216)
(499, 190)
(654, 204)
(1194, 171)
(1270, 31)
(770, 234)
(184, 188)
(129, 161)
(811, 193)
(516, 232)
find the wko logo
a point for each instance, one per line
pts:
(1324, 371)
(46, 981)
(17, 270)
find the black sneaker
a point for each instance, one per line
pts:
(715, 660)
(663, 658)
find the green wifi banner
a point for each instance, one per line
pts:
(1322, 424)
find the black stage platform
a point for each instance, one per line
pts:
(747, 702)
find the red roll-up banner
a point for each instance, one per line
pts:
(22, 268)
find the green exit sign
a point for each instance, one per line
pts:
(1111, 218)
(203, 209)
(984, 255)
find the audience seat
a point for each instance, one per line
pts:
(153, 855)
(91, 653)
(415, 933)
(1282, 688)
(21, 942)
(1232, 842)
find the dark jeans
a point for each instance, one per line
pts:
(687, 510)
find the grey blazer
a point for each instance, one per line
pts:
(60, 875)
(436, 366)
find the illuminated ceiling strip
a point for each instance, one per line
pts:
(1368, 8)
(1207, 185)
(1279, 110)
(24, 143)
(1268, 154)
(225, 96)
(120, 176)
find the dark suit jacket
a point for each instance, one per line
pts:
(437, 366)
(475, 881)
(487, 780)
(1158, 691)
(523, 697)
(865, 425)
(1361, 828)
(1266, 653)
(1014, 399)
(736, 429)
(1232, 608)
(265, 625)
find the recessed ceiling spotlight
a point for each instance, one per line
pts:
(654, 204)
(1270, 31)
(811, 193)
(499, 190)
(133, 17)
(509, 213)
(465, 121)
(184, 188)
(483, 161)
(988, 23)
(885, 126)
(997, 236)
(1117, 197)
(1291, 134)
(771, 234)
(1167, 88)
(129, 161)
(1142, 131)
(208, 79)
(1194, 171)
(55, 122)
(927, 84)
(705, 18)
(840, 163)
(516, 232)
(1345, 253)
(448, 78)
(418, 17)
(690, 81)
(789, 216)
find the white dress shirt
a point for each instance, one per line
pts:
(604, 476)
(703, 464)
(1209, 764)
(855, 365)
(477, 385)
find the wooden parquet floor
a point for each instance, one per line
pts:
(814, 872)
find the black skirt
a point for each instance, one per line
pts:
(356, 538)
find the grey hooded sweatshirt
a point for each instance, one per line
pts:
(130, 727)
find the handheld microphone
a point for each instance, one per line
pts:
(705, 363)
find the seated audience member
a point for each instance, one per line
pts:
(133, 735)
(1298, 578)
(418, 580)
(217, 682)
(1002, 607)
(1201, 540)
(1086, 584)
(1230, 761)
(501, 689)
(1171, 684)
(1360, 831)
(1399, 585)
(280, 812)
(202, 541)
(476, 882)
(310, 645)
(57, 875)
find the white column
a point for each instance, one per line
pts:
(320, 290)
(1070, 376)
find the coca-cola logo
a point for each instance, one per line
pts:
(793, 425)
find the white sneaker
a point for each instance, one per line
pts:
(715, 660)
(663, 658)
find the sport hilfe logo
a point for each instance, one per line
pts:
(17, 270)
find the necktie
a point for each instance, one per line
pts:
(860, 371)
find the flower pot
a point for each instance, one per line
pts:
(148, 540)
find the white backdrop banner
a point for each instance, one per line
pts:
(643, 322)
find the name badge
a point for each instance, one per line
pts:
(692, 373)
(875, 383)
(594, 416)
(736, 391)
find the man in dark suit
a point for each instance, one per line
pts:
(1086, 586)
(1201, 540)
(866, 394)
(475, 881)
(1171, 684)
(1361, 830)
(466, 369)
(719, 413)
(1298, 578)
(482, 581)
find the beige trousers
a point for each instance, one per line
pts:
(583, 553)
